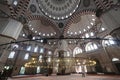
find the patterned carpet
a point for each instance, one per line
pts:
(68, 77)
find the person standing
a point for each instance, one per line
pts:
(83, 71)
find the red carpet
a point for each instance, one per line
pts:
(67, 77)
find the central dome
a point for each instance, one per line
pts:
(58, 2)
(58, 9)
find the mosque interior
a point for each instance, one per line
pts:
(61, 37)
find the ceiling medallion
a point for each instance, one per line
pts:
(58, 9)
(86, 3)
(33, 8)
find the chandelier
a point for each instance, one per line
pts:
(33, 62)
(46, 62)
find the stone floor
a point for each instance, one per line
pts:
(68, 77)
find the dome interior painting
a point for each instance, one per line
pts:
(58, 9)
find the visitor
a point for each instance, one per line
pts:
(83, 72)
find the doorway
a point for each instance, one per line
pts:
(118, 66)
(98, 67)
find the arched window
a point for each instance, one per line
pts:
(87, 35)
(68, 53)
(41, 50)
(91, 46)
(109, 41)
(15, 2)
(49, 52)
(29, 48)
(40, 57)
(36, 49)
(77, 50)
(49, 59)
(91, 34)
(22, 70)
(11, 55)
(26, 56)
(115, 59)
(38, 69)
(15, 46)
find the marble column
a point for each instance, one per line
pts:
(110, 20)
(9, 31)
(64, 63)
